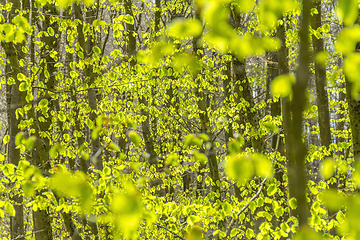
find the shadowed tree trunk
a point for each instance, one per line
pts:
(296, 168)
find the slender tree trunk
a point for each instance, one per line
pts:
(320, 77)
(15, 99)
(296, 169)
(17, 221)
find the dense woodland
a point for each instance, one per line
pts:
(212, 119)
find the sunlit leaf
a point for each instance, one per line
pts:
(349, 11)
(306, 234)
(182, 28)
(6, 139)
(172, 159)
(19, 137)
(127, 208)
(135, 138)
(9, 209)
(240, 168)
(128, 19)
(327, 168)
(200, 157)
(347, 39)
(282, 85)
(292, 203)
(271, 190)
(194, 233)
(250, 233)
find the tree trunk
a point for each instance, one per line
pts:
(296, 169)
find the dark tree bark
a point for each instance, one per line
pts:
(320, 78)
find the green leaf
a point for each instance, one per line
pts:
(172, 159)
(21, 77)
(6, 139)
(327, 168)
(271, 190)
(51, 31)
(80, 55)
(127, 208)
(234, 232)
(352, 71)
(262, 165)
(62, 117)
(200, 157)
(114, 147)
(183, 28)
(340, 217)
(194, 233)
(129, 19)
(192, 219)
(76, 186)
(29, 143)
(234, 146)
(188, 140)
(240, 168)
(279, 211)
(282, 85)
(227, 208)
(64, 3)
(96, 50)
(135, 138)
(347, 39)
(349, 11)
(107, 171)
(325, 28)
(22, 24)
(28, 189)
(271, 127)
(204, 137)
(250, 233)
(292, 203)
(245, 5)
(95, 133)
(306, 234)
(23, 87)
(19, 137)
(43, 103)
(10, 209)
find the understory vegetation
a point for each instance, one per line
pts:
(205, 119)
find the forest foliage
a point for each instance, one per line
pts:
(212, 119)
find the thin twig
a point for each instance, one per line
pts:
(178, 236)
(21, 236)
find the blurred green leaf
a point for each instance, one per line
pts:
(240, 168)
(9, 209)
(282, 85)
(332, 199)
(349, 11)
(135, 138)
(327, 168)
(200, 157)
(183, 28)
(172, 159)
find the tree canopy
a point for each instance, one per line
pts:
(206, 119)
